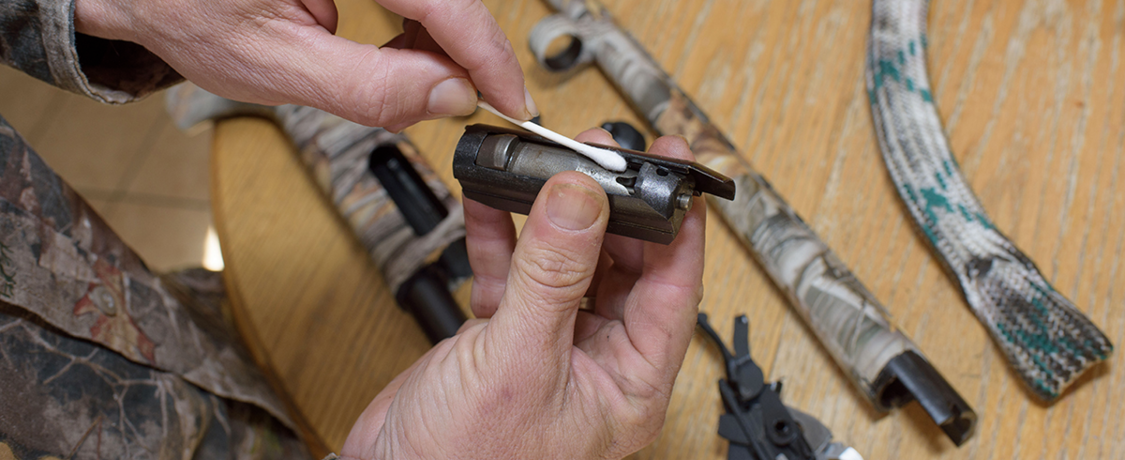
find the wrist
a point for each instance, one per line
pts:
(103, 19)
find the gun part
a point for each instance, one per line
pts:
(757, 424)
(401, 212)
(851, 323)
(625, 135)
(424, 295)
(1047, 340)
(505, 169)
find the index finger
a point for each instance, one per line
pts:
(660, 312)
(469, 34)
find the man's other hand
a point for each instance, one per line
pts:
(285, 52)
(535, 376)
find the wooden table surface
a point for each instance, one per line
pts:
(1033, 97)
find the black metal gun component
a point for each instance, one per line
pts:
(626, 135)
(425, 295)
(505, 169)
(757, 424)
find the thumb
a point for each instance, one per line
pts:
(552, 267)
(380, 86)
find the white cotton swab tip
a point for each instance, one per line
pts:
(607, 159)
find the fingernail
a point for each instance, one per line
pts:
(455, 96)
(573, 207)
(532, 109)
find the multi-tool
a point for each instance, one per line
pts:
(757, 424)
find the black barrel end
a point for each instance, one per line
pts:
(909, 377)
(426, 297)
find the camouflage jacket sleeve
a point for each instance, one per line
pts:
(38, 38)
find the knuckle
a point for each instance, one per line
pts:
(489, 44)
(552, 268)
(652, 394)
(383, 104)
(640, 426)
(428, 9)
(504, 46)
(500, 53)
(502, 50)
(649, 418)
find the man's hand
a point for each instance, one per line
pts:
(284, 52)
(534, 376)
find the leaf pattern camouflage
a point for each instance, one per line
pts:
(38, 38)
(337, 152)
(101, 358)
(62, 263)
(1047, 340)
(847, 319)
(70, 398)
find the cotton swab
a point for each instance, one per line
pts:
(607, 159)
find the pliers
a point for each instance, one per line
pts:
(757, 424)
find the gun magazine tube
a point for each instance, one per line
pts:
(845, 316)
(401, 212)
(396, 206)
(338, 154)
(854, 327)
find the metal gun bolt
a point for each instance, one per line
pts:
(684, 201)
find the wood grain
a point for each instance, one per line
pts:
(1033, 98)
